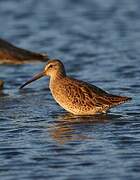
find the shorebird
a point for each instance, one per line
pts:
(10, 54)
(75, 96)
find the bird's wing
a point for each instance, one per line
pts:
(101, 97)
(95, 95)
(82, 92)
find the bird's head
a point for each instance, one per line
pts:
(54, 69)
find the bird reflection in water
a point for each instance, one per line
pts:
(68, 128)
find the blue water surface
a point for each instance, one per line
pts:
(99, 42)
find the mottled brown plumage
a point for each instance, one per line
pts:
(76, 96)
(10, 54)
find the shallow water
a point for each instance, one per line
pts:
(99, 42)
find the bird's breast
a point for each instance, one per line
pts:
(57, 91)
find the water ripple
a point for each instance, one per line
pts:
(98, 42)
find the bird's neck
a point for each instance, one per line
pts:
(57, 77)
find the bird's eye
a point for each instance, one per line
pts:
(50, 66)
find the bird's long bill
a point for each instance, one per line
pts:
(37, 76)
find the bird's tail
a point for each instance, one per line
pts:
(116, 100)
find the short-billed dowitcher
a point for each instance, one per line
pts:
(75, 96)
(10, 54)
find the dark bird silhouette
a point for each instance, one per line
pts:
(10, 54)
